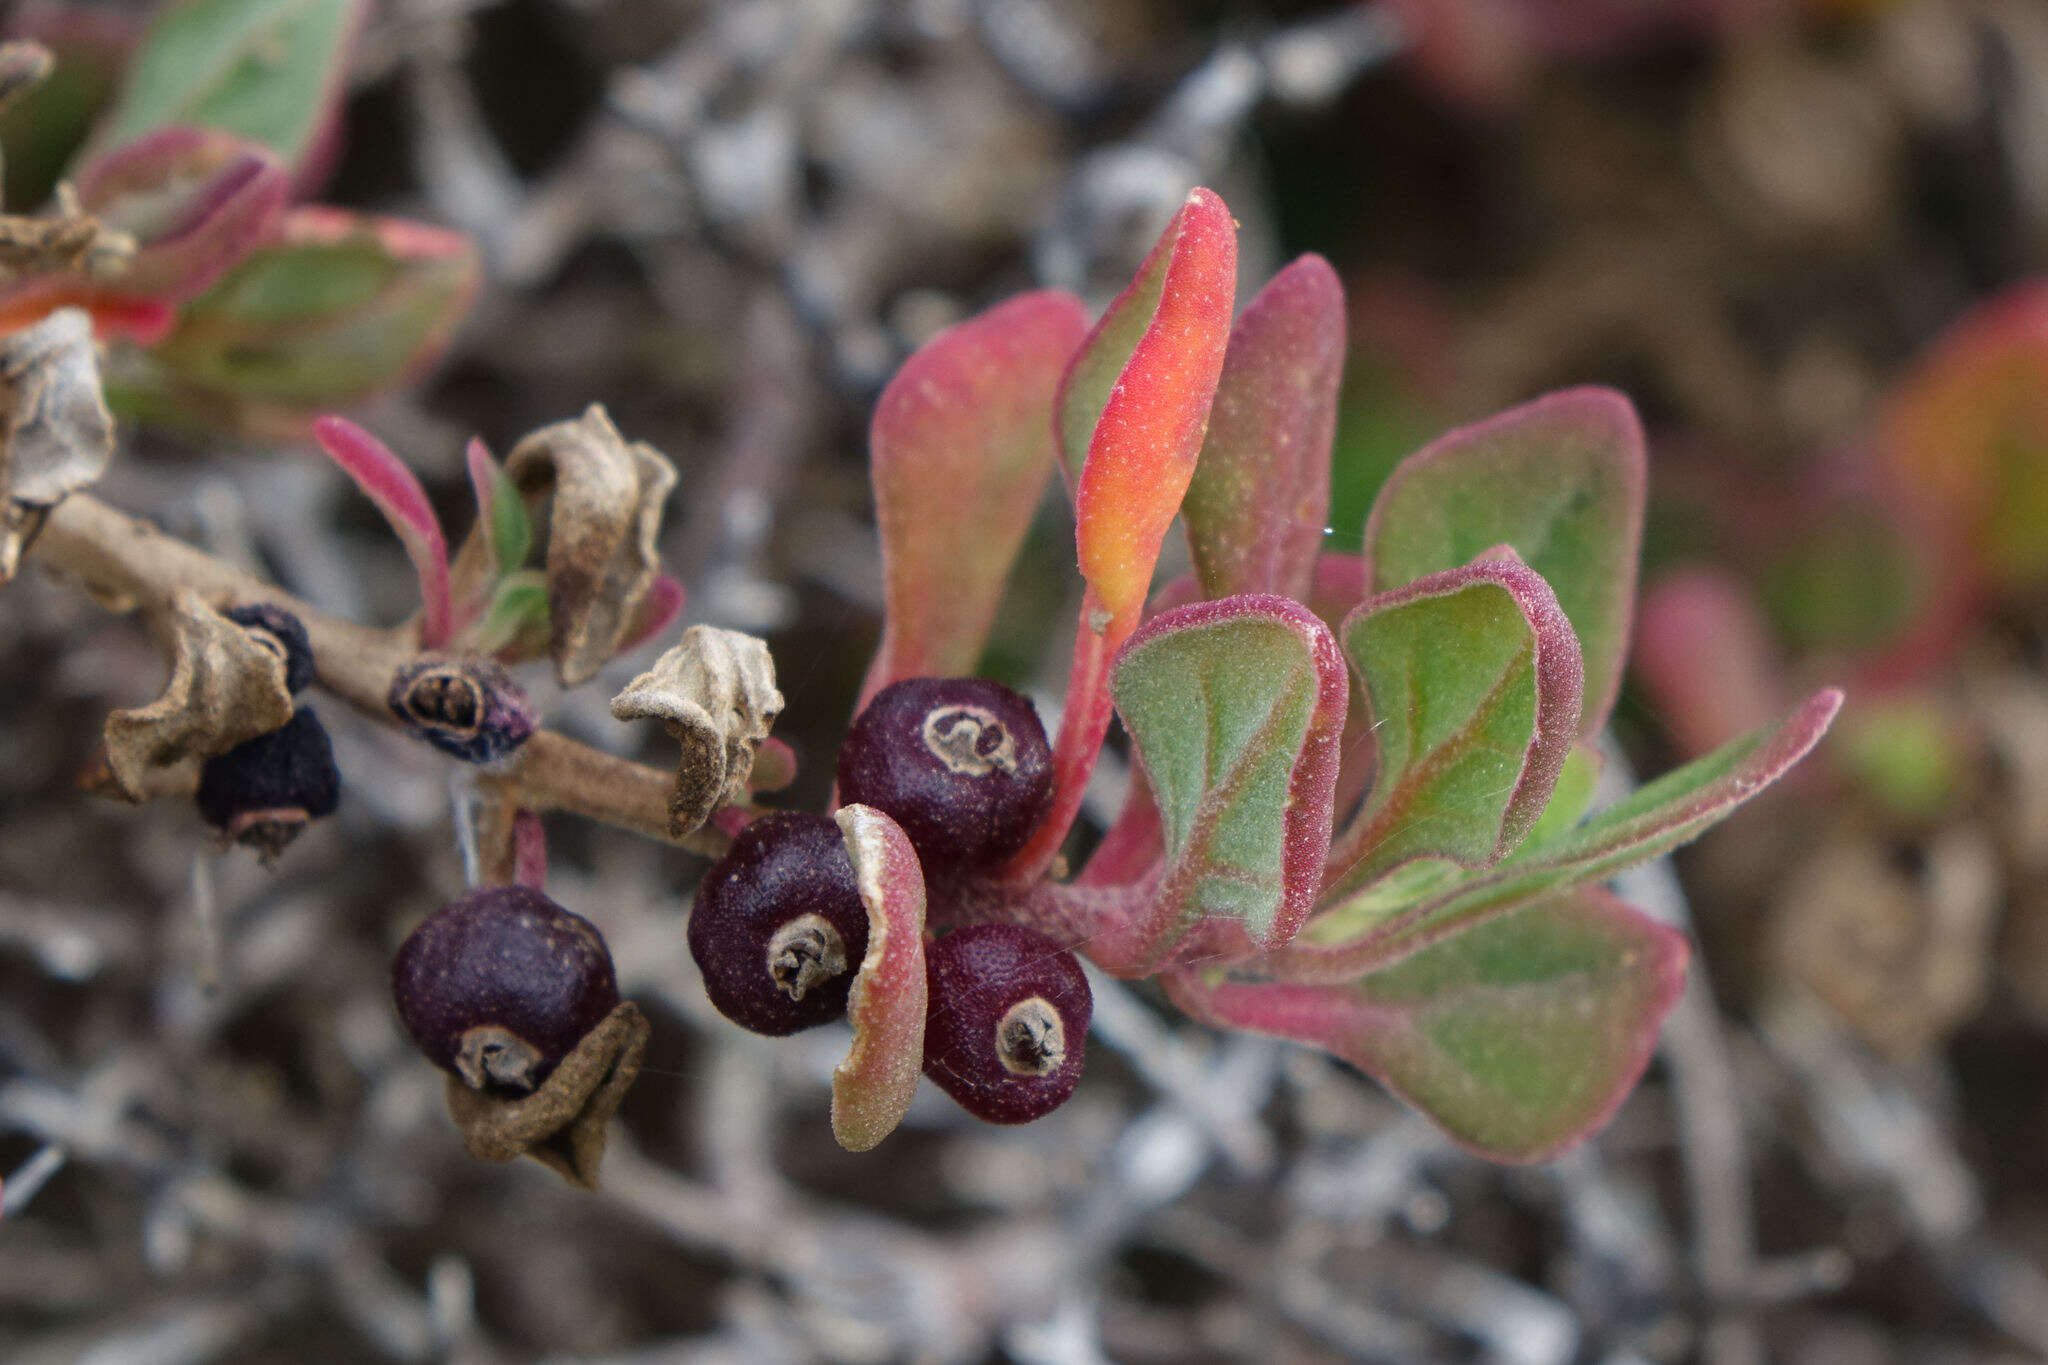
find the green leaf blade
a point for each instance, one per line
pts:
(1520, 1038)
(1234, 708)
(1560, 479)
(1473, 677)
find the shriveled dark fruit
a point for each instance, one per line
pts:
(778, 928)
(500, 985)
(1006, 1026)
(277, 626)
(960, 763)
(465, 705)
(261, 793)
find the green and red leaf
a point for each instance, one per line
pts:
(960, 447)
(871, 1089)
(196, 200)
(1473, 676)
(1234, 710)
(1520, 1038)
(1256, 506)
(267, 70)
(1561, 480)
(1339, 945)
(1134, 403)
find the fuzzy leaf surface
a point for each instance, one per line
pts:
(1560, 479)
(1261, 490)
(1134, 403)
(1234, 708)
(1658, 817)
(1519, 1038)
(1474, 683)
(960, 447)
(267, 70)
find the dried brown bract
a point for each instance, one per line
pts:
(226, 686)
(57, 435)
(715, 693)
(608, 498)
(563, 1124)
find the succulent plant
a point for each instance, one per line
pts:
(498, 986)
(778, 928)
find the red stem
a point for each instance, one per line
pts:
(1083, 723)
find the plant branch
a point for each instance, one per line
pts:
(130, 564)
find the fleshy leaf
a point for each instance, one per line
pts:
(1337, 585)
(518, 611)
(387, 481)
(1576, 782)
(607, 499)
(335, 309)
(1130, 415)
(871, 1089)
(1256, 506)
(1473, 678)
(1658, 817)
(500, 512)
(1561, 480)
(195, 200)
(658, 611)
(1135, 402)
(267, 70)
(1234, 709)
(1520, 1038)
(959, 449)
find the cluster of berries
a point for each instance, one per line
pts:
(499, 986)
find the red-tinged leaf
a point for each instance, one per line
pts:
(500, 512)
(387, 481)
(115, 317)
(774, 766)
(1703, 653)
(658, 611)
(1658, 817)
(1520, 1037)
(1474, 683)
(871, 1089)
(1561, 480)
(1256, 507)
(1963, 436)
(195, 199)
(1131, 411)
(961, 444)
(1336, 587)
(1135, 402)
(1234, 709)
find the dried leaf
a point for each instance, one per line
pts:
(563, 1124)
(715, 694)
(608, 497)
(226, 687)
(58, 435)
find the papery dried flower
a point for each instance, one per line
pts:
(57, 434)
(715, 693)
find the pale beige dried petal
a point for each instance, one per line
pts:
(226, 686)
(57, 434)
(608, 498)
(715, 693)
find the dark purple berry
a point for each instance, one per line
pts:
(778, 928)
(960, 763)
(468, 706)
(262, 792)
(500, 985)
(1007, 1023)
(277, 628)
